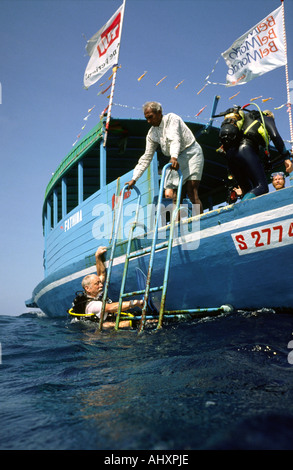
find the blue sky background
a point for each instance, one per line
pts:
(43, 103)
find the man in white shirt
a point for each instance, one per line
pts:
(177, 142)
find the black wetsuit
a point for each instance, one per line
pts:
(247, 168)
(245, 164)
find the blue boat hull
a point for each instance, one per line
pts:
(238, 254)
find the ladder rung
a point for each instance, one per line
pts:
(137, 292)
(146, 250)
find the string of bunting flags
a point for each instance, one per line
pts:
(104, 91)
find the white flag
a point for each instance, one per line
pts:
(103, 49)
(259, 50)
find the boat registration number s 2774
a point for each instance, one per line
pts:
(263, 238)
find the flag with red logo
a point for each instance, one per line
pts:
(259, 50)
(103, 49)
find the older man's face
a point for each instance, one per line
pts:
(153, 118)
(94, 287)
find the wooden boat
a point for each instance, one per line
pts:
(232, 254)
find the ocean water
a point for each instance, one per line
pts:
(224, 382)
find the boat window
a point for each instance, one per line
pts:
(91, 173)
(59, 202)
(72, 188)
(49, 212)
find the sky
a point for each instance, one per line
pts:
(43, 102)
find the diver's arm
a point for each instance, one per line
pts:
(101, 270)
(275, 137)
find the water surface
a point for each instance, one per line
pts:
(216, 383)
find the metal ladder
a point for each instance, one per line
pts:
(152, 250)
(111, 258)
(155, 247)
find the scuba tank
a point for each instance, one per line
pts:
(238, 125)
(230, 131)
(79, 303)
(253, 128)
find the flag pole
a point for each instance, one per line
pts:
(115, 68)
(287, 78)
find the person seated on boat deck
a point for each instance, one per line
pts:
(93, 287)
(177, 142)
(243, 156)
(278, 180)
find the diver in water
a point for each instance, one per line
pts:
(88, 304)
(241, 135)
